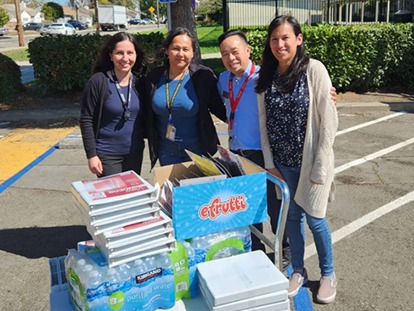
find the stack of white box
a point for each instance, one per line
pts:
(248, 281)
(122, 215)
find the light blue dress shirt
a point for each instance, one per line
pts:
(245, 134)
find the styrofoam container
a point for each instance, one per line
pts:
(117, 215)
(135, 233)
(94, 230)
(114, 192)
(240, 277)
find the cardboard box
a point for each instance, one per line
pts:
(240, 277)
(215, 206)
(271, 299)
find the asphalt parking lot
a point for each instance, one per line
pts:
(370, 220)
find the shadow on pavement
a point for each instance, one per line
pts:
(37, 242)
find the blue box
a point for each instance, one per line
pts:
(215, 206)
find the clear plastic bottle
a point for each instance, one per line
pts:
(139, 267)
(163, 261)
(95, 279)
(113, 279)
(149, 263)
(83, 269)
(191, 254)
(124, 271)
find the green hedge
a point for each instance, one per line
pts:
(358, 57)
(64, 63)
(10, 79)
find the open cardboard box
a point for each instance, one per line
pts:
(215, 206)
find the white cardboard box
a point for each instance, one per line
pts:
(240, 277)
(253, 302)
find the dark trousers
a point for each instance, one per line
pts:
(273, 204)
(118, 164)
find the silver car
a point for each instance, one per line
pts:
(44, 30)
(3, 31)
(61, 29)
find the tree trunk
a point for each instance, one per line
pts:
(182, 15)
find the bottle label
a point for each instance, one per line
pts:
(181, 276)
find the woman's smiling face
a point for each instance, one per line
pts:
(284, 44)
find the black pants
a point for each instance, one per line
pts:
(273, 204)
(118, 164)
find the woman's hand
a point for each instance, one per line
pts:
(95, 165)
(333, 94)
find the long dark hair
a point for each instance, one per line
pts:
(170, 37)
(104, 63)
(287, 80)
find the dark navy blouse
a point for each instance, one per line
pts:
(286, 118)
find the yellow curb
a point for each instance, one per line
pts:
(22, 146)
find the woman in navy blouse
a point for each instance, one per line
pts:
(298, 124)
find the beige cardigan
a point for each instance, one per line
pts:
(318, 155)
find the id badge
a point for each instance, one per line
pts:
(170, 132)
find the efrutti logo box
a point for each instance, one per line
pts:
(215, 206)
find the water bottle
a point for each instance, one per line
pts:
(190, 254)
(149, 263)
(124, 271)
(95, 279)
(192, 271)
(163, 261)
(112, 280)
(199, 246)
(138, 267)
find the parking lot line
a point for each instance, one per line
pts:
(339, 234)
(373, 156)
(359, 126)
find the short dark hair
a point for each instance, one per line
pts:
(104, 63)
(233, 32)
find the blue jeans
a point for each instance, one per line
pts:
(296, 228)
(173, 152)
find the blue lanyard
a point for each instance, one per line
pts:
(125, 103)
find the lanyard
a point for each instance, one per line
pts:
(235, 102)
(125, 103)
(167, 93)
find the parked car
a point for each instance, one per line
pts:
(61, 29)
(32, 26)
(78, 25)
(148, 21)
(44, 30)
(3, 31)
(135, 21)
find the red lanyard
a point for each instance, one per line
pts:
(235, 102)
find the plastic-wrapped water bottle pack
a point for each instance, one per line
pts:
(145, 284)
